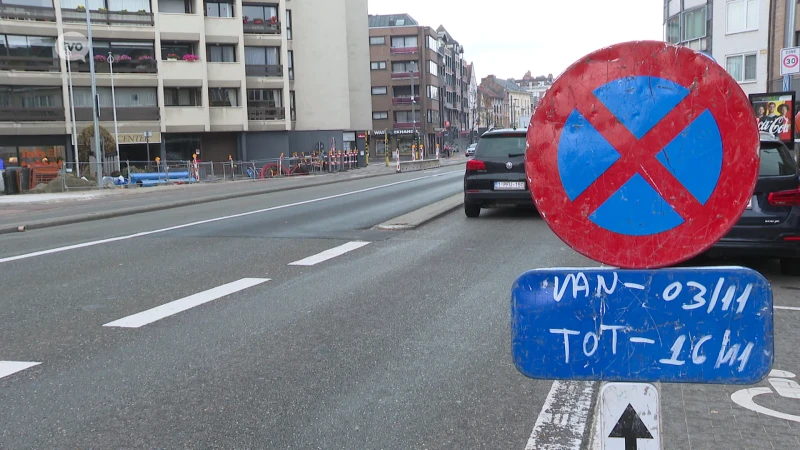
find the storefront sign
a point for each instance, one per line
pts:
(775, 114)
(400, 132)
(139, 138)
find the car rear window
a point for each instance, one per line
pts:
(500, 146)
(775, 161)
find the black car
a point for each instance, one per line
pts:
(770, 226)
(495, 177)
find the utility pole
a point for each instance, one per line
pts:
(98, 155)
(791, 11)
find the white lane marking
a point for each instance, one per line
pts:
(329, 254)
(215, 219)
(562, 421)
(790, 308)
(168, 309)
(11, 367)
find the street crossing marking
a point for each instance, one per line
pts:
(329, 254)
(11, 367)
(160, 312)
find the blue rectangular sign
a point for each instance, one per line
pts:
(682, 325)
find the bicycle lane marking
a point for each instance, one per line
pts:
(782, 383)
(561, 424)
(212, 220)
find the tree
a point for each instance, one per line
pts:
(86, 143)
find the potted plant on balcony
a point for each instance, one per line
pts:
(245, 19)
(273, 20)
(80, 8)
(100, 59)
(258, 21)
(124, 11)
(145, 58)
(142, 11)
(172, 57)
(123, 58)
(102, 9)
(190, 57)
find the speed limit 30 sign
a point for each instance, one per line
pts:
(790, 60)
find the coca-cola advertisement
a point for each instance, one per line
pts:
(775, 114)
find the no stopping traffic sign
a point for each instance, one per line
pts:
(642, 154)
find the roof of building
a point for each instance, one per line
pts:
(392, 20)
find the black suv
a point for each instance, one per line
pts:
(770, 226)
(495, 177)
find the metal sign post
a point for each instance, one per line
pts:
(634, 149)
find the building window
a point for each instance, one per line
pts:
(269, 98)
(406, 117)
(379, 90)
(292, 112)
(291, 64)
(219, 9)
(221, 53)
(289, 24)
(27, 47)
(31, 97)
(694, 24)
(377, 40)
(179, 49)
(377, 65)
(261, 56)
(223, 97)
(433, 43)
(404, 67)
(126, 97)
(171, 6)
(742, 67)
(433, 68)
(380, 115)
(262, 12)
(404, 41)
(742, 15)
(182, 97)
(94, 5)
(674, 29)
(433, 93)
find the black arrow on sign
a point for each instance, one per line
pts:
(631, 428)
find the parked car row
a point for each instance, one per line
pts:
(769, 227)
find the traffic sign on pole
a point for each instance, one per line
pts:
(643, 154)
(790, 61)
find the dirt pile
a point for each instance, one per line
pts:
(56, 185)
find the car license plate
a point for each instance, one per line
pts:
(750, 203)
(509, 185)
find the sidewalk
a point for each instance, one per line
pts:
(46, 210)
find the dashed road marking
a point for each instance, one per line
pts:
(11, 367)
(329, 254)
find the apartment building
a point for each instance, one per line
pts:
(455, 87)
(777, 41)
(505, 101)
(736, 33)
(536, 86)
(472, 101)
(247, 79)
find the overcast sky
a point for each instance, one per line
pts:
(509, 37)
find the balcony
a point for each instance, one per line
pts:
(403, 75)
(448, 105)
(262, 28)
(256, 111)
(404, 50)
(31, 63)
(409, 125)
(404, 100)
(133, 66)
(264, 71)
(32, 114)
(19, 12)
(122, 18)
(84, 114)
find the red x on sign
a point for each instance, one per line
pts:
(642, 154)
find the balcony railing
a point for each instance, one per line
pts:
(448, 105)
(404, 50)
(32, 114)
(84, 114)
(123, 18)
(409, 125)
(275, 70)
(404, 100)
(19, 12)
(132, 66)
(262, 28)
(401, 75)
(32, 63)
(256, 111)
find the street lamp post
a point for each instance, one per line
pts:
(72, 113)
(95, 104)
(114, 107)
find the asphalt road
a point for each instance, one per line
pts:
(399, 343)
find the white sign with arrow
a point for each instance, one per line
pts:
(630, 417)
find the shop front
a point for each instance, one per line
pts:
(21, 151)
(139, 147)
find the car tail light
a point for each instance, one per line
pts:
(474, 164)
(791, 238)
(784, 198)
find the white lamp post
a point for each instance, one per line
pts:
(114, 107)
(72, 112)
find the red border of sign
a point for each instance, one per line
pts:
(783, 61)
(711, 88)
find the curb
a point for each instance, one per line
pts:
(416, 218)
(48, 223)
